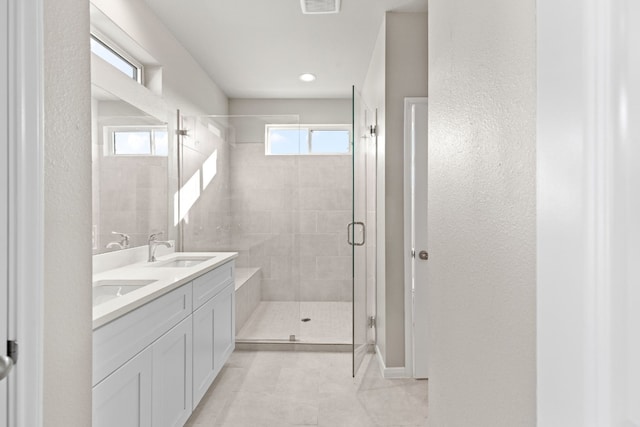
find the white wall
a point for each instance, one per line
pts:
(185, 85)
(310, 111)
(481, 221)
(67, 188)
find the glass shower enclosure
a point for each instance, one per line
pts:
(300, 281)
(361, 230)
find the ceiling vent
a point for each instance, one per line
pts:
(312, 7)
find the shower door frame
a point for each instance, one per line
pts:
(364, 144)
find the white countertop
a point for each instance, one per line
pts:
(167, 278)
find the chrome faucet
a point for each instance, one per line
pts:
(153, 244)
(122, 244)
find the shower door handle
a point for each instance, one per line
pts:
(349, 230)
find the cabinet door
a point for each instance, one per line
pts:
(224, 338)
(123, 399)
(172, 376)
(213, 340)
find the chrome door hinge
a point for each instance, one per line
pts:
(12, 351)
(372, 321)
(182, 132)
(7, 362)
(373, 130)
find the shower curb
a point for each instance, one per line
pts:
(292, 346)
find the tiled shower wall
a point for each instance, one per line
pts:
(290, 215)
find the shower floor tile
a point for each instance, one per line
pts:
(330, 322)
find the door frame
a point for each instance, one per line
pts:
(26, 216)
(4, 200)
(409, 305)
(585, 91)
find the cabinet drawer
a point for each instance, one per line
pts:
(211, 283)
(120, 340)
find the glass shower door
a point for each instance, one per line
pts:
(362, 123)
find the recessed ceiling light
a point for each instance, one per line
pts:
(307, 77)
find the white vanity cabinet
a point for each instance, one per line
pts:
(123, 399)
(214, 340)
(172, 377)
(153, 365)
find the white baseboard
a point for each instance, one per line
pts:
(399, 372)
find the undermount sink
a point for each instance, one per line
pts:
(181, 262)
(106, 290)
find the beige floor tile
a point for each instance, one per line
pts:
(284, 389)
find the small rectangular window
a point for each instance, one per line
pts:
(307, 139)
(138, 141)
(288, 141)
(116, 58)
(131, 142)
(329, 141)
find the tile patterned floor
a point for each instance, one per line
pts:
(275, 320)
(283, 389)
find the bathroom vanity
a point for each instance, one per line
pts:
(162, 332)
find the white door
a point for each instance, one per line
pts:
(624, 258)
(4, 199)
(416, 259)
(363, 122)
(588, 213)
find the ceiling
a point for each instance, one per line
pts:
(258, 48)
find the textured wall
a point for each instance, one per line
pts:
(482, 213)
(67, 192)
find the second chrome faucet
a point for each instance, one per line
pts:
(153, 244)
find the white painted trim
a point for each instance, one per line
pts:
(399, 372)
(4, 203)
(408, 274)
(27, 177)
(408, 237)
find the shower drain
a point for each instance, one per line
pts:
(306, 319)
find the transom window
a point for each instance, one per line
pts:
(117, 58)
(307, 139)
(138, 141)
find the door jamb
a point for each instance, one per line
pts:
(26, 136)
(408, 229)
